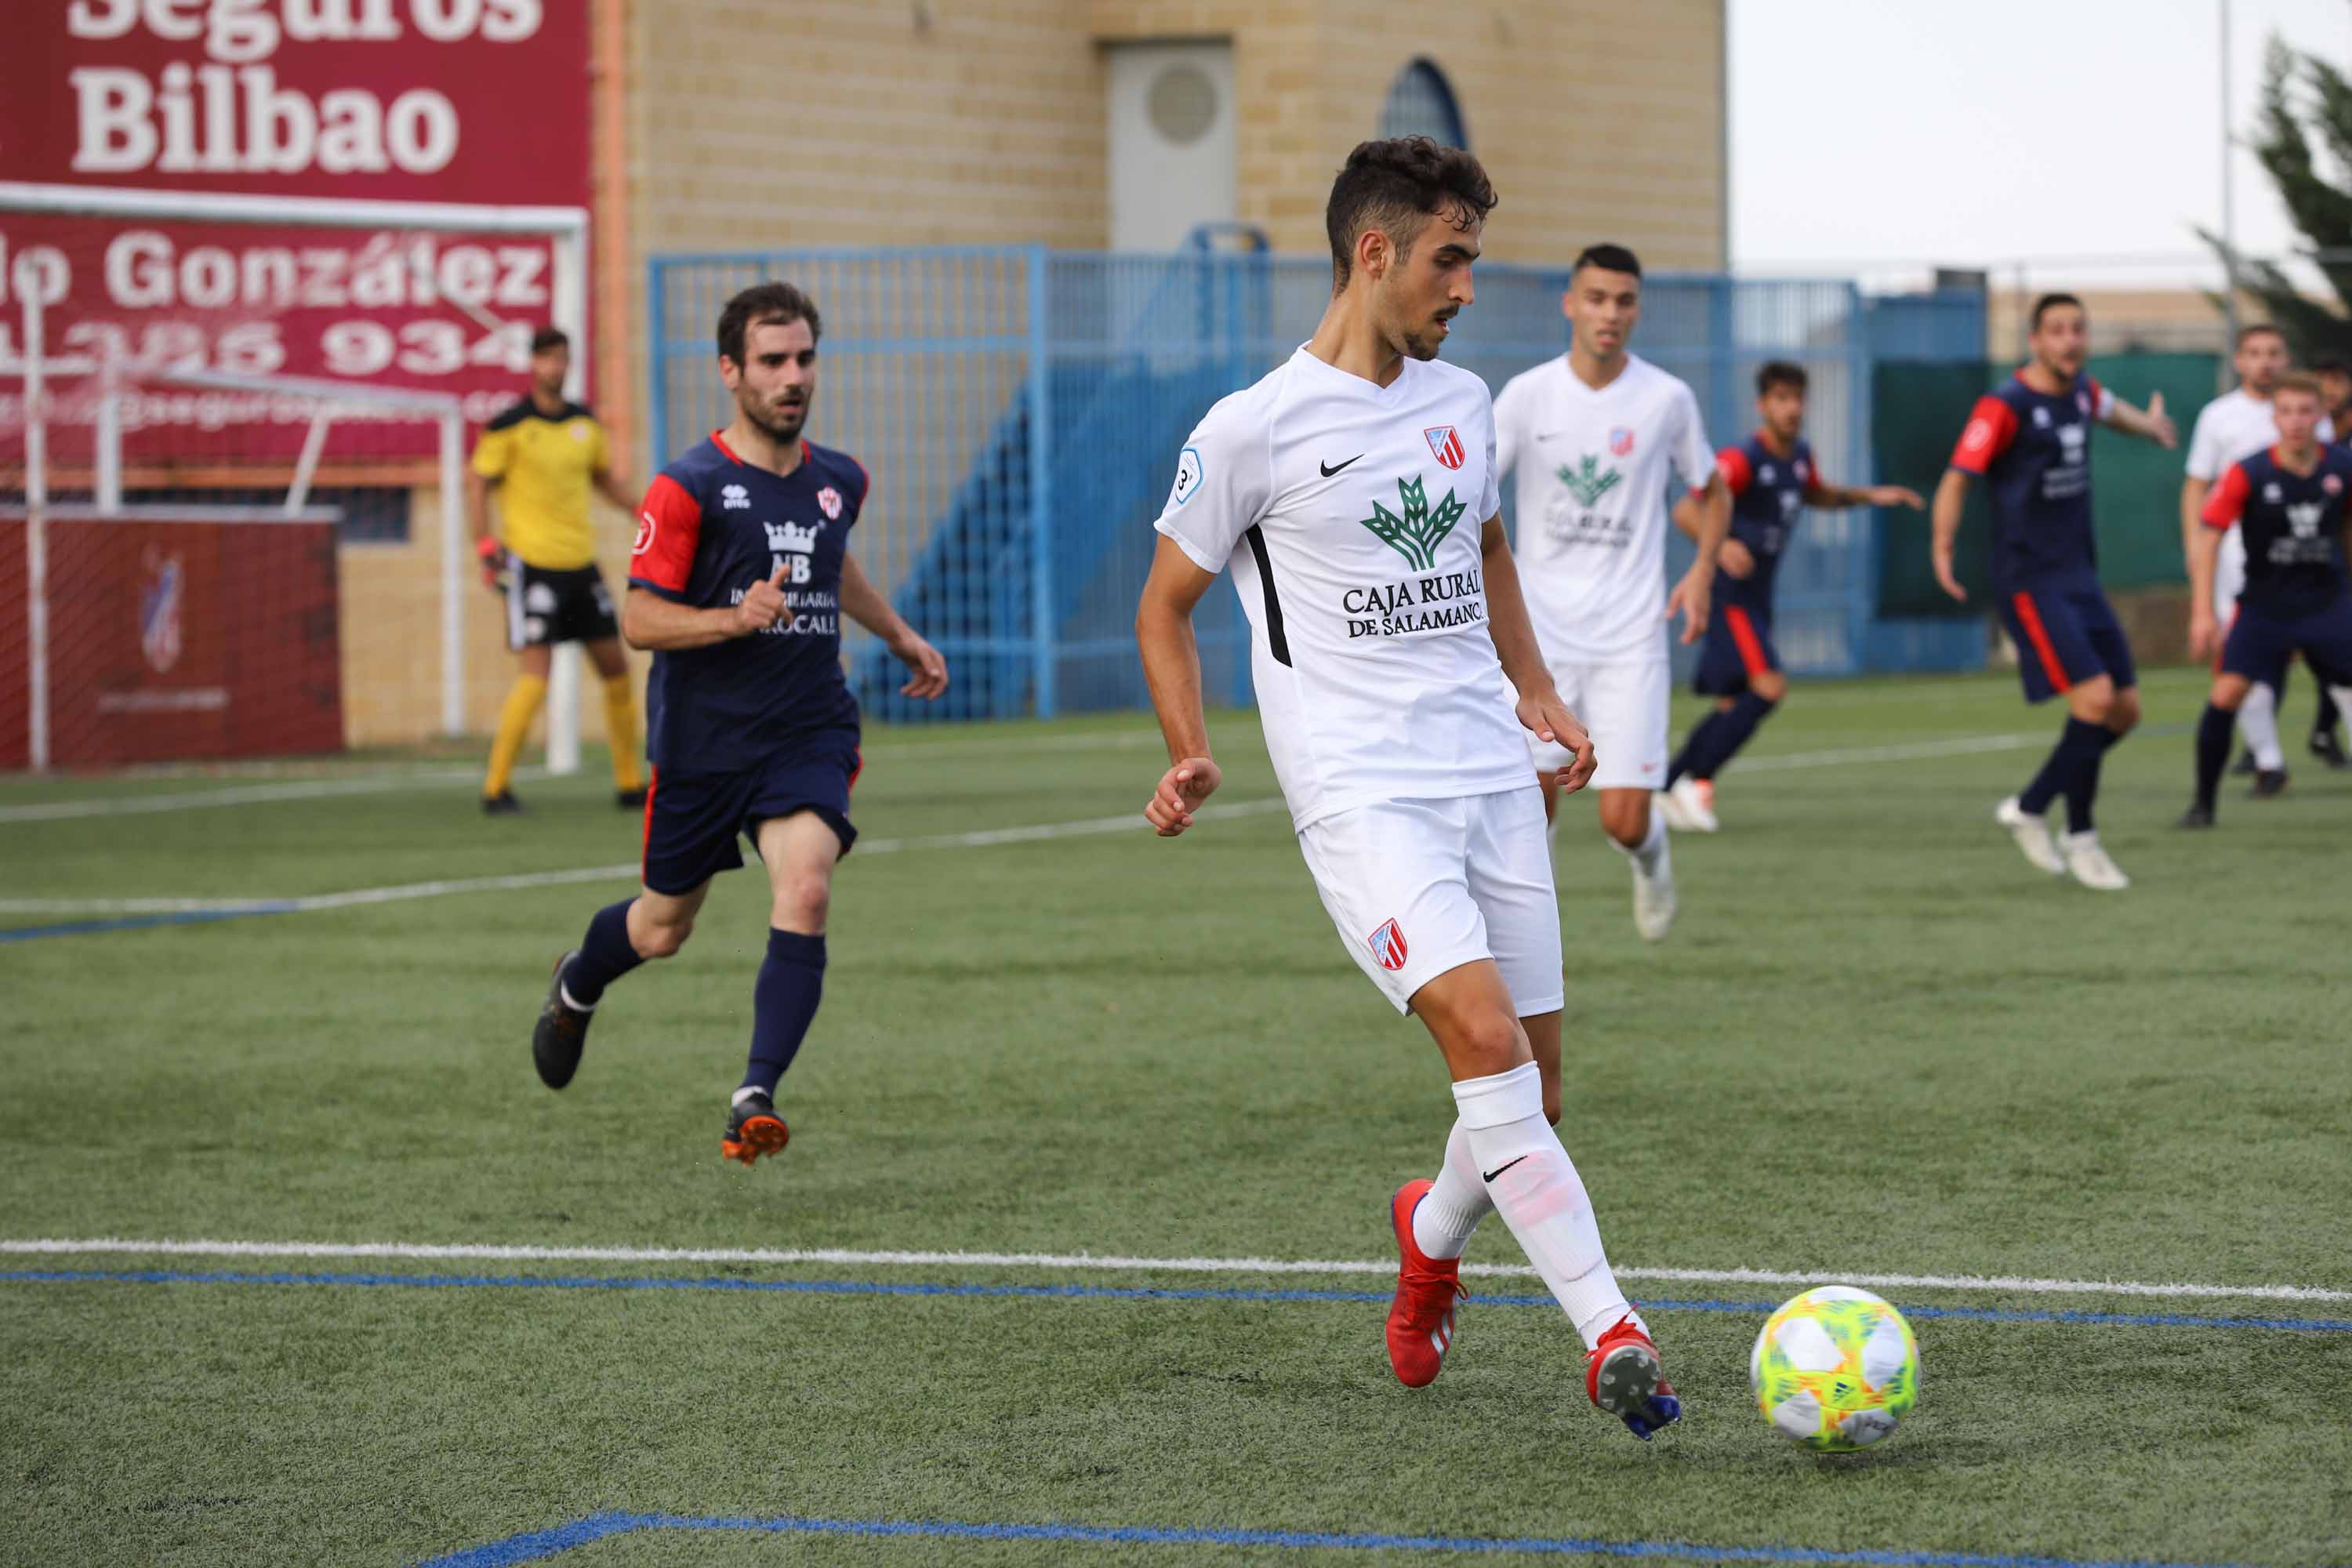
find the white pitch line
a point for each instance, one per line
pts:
(240, 795)
(1129, 822)
(382, 784)
(424, 1252)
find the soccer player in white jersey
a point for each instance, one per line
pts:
(2236, 425)
(1352, 495)
(1592, 436)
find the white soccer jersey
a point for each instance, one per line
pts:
(1592, 506)
(1351, 516)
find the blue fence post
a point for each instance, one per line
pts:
(1861, 553)
(1041, 484)
(656, 366)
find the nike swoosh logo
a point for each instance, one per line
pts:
(1500, 1169)
(1329, 470)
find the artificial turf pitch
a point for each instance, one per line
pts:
(1877, 1042)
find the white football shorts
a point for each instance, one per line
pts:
(1623, 706)
(1420, 887)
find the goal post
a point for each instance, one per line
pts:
(219, 338)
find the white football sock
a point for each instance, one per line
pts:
(1534, 1185)
(1450, 1211)
(1651, 853)
(2258, 722)
(2343, 695)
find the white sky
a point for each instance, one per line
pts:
(1868, 134)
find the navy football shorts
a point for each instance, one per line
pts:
(1738, 648)
(694, 821)
(2260, 645)
(2067, 633)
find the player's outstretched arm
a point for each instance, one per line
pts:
(1171, 668)
(861, 601)
(1693, 595)
(1539, 708)
(2150, 424)
(1951, 495)
(1837, 498)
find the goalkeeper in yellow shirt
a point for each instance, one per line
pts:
(543, 456)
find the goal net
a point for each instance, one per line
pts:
(233, 438)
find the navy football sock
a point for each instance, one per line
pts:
(1690, 743)
(605, 954)
(2083, 787)
(1712, 746)
(2213, 733)
(784, 1002)
(2077, 743)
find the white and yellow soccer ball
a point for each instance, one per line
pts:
(1835, 1369)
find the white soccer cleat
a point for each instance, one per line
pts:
(2088, 860)
(2032, 835)
(1689, 807)
(1654, 895)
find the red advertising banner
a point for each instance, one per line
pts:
(443, 100)
(479, 102)
(175, 641)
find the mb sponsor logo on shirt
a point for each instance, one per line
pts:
(791, 546)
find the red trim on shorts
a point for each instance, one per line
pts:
(857, 768)
(1751, 648)
(646, 843)
(2030, 618)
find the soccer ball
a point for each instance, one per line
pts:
(1835, 1369)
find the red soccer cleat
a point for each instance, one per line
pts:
(1420, 1319)
(1624, 1378)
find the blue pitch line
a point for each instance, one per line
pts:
(141, 922)
(1076, 1292)
(543, 1543)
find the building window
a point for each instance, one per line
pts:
(1421, 104)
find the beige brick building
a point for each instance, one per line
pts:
(740, 124)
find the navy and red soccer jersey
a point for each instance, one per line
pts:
(2033, 451)
(710, 526)
(1768, 493)
(2294, 528)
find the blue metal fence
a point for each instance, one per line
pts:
(1021, 410)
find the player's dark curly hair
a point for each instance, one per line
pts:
(1396, 186)
(1779, 373)
(764, 305)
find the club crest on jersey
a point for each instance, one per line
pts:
(734, 498)
(829, 500)
(646, 528)
(1388, 946)
(2331, 484)
(1621, 442)
(1446, 444)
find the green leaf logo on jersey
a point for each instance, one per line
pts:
(1588, 481)
(1417, 534)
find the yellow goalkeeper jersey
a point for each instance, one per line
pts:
(543, 463)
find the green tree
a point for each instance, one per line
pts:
(2306, 108)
